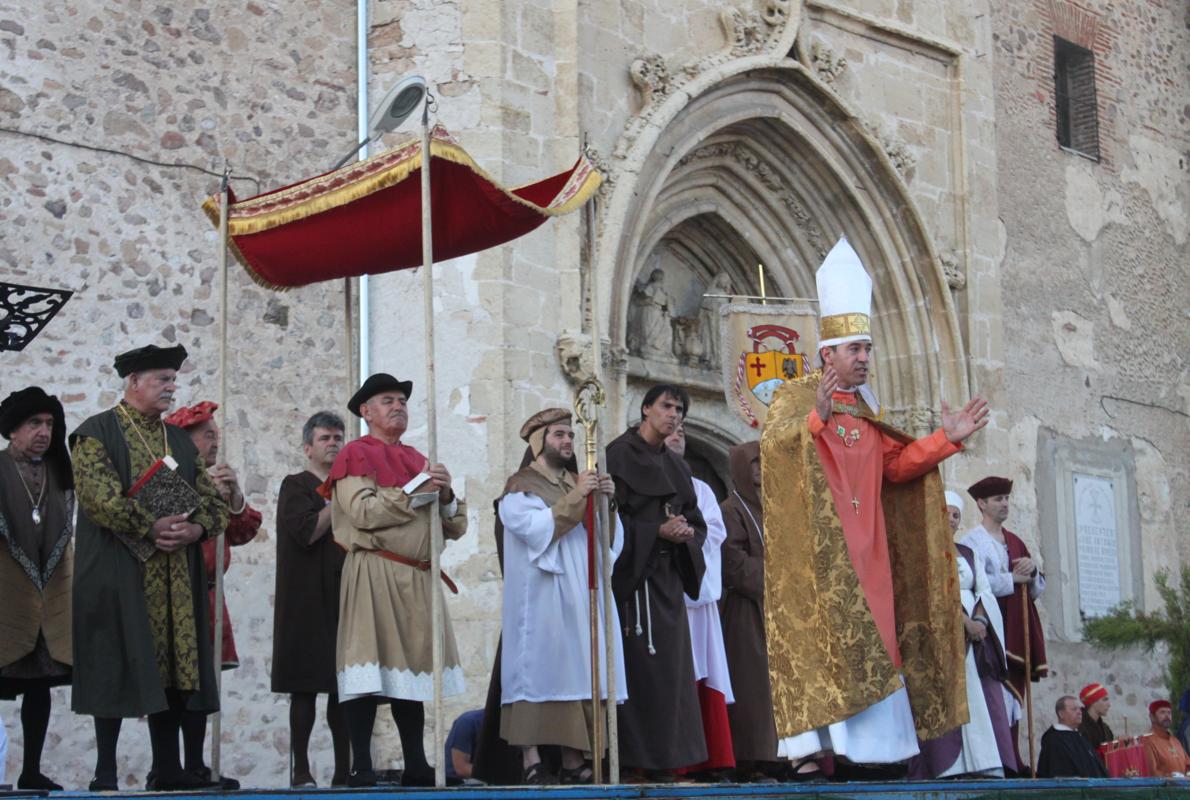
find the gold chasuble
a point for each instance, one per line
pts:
(827, 658)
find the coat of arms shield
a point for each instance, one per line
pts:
(764, 346)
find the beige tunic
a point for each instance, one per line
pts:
(383, 646)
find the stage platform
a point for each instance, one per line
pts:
(1113, 789)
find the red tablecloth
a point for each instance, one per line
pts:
(1124, 761)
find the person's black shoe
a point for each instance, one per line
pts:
(181, 781)
(423, 776)
(37, 782)
(104, 784)
(224, 783)
(361, 778)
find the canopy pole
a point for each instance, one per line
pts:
(606, 524)
(427, 284)
(216, 718)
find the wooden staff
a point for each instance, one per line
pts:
(436, 600)
(216, 718)
(1024, 589)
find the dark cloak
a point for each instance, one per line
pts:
(115, 661)
(1066, 754)
(660, 726)
(306, 618)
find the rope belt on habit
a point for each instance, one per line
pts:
(424, 566)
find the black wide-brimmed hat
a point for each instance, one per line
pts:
(374, 385)
(20, 406)
(149, 357)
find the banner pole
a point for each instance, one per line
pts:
(217, 717)
(606, 525)
(436, 608)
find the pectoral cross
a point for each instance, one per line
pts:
(855, 505)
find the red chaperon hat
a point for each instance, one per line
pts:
(1091, 693)
(365, 218)
(1157, 705)
(189, 416)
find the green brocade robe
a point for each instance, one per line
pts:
(141, 624)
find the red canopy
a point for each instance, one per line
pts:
(365, 218)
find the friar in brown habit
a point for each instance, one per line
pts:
(741, 611)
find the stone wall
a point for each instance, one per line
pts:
(1095, 285)
(117, 121)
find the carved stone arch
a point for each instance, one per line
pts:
(790, 168)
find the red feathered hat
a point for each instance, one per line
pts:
(189, 416)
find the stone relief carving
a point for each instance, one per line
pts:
(650, 325)
(651, 77)
(768, 178)
(898, 151)
(708, 317)
(826, 63)
(955, 277)
(656, 332)
(604, 166)
(575, 358)
(747, 33)
(915, 420)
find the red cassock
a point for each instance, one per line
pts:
(365, 218)
(241, 529)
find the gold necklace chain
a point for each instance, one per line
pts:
(136, 430)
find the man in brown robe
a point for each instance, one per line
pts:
(741, 611)
(306, 617)
(661, 724)
(36, 525)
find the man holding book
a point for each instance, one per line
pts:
(142, 644)
(381, 493)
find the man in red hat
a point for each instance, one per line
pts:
(1008, 564)
(1163, 752)
(198, 420)
(1095, 705)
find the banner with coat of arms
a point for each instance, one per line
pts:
(763, 346)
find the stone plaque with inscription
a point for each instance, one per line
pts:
(1098, 550)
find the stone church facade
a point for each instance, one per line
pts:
(1025, 226)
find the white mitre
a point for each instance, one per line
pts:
(845, 305)
(844, 297)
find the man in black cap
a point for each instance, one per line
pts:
(36, 525)
(1009, 567)
(141, 640)
(381, 493)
